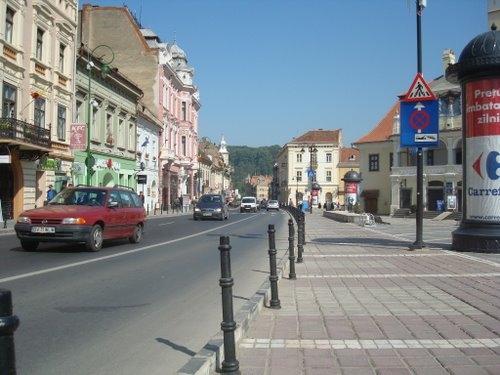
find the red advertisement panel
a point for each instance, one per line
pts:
(482, 107)
(351, 187)
(78, 137)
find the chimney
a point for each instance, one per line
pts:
(395, 123)
(448, 58)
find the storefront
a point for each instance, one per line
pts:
(108, 170)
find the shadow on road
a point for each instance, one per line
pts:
(177, 347)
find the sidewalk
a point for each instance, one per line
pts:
(363, 304)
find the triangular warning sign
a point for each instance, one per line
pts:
(419, 90)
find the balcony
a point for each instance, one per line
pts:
(429, 170)
(28, 135)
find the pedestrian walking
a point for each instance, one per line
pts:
(181, 203)
(141, 197)
(51, 193)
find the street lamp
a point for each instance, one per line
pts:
(105, 69)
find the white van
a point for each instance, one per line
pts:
(248, 204)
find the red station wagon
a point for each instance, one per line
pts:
(87, 215)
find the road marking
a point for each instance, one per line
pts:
(371, 255)
(252, 343)
(391, 275)
(168, 223)
(76, 264)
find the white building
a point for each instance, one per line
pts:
(148, 138)
(389, 171)
(316, 149)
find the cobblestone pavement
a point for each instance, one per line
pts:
(363, 304)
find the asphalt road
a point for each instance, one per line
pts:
(131, 309)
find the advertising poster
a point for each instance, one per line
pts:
(78, 137)
(482, 114)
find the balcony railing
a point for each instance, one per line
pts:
(18, 130)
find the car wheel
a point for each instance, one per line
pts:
(137, 236)
(195, 218)
(94, 242)
(29, 245)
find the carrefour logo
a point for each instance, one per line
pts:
(492, 165)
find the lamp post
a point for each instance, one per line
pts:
(313, 164)
(105, 69)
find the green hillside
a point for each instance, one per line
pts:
(251, 161)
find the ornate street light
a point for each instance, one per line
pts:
(105, 70)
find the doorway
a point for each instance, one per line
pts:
(7, 191)
(405, 198)
(371, 205)
(435, 193)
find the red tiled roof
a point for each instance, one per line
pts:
(347, 152)
(319, 136)
(383, 130)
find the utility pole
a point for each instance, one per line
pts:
(419, 243)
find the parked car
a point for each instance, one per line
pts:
(248, 204)
(211, 206)
(87, 215)
(273, 205)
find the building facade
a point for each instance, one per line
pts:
(37, 77)
(389, 171)
(149, 130)
(307, 167)
(161, 71)
(214, 169)
(113, 124)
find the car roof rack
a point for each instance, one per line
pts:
(125, 187)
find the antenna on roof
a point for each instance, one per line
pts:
(140, 13)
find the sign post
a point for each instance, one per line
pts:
(478, 72)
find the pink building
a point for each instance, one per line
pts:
(179, 108)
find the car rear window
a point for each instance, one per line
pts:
(248, 200)
(211, 199)
(127, 201)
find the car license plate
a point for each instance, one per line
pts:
(43, 230)
(207, 214)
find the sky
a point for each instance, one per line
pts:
(270, 70)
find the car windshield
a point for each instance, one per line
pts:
(210, 199)
(80, 197)
(248, 200)
(273, 202)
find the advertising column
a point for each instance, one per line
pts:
(482, 132)
(478, 72)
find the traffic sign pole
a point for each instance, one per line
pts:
(419, 242)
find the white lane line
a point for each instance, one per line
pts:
(253, 343)
(76, 264)
(372, 255)
(168, 223)
(391, 275)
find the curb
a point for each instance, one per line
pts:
(209, 358)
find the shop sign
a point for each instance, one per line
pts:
(5, 159)
(108, 164)
(142, 179)
(482, 137)
(78, 137)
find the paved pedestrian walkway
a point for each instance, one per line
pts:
(363, 304)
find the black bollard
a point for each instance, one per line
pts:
(291, 253)
(230, 365)
(303, 223)
(8, 324)
(274, 303)
(300, 244)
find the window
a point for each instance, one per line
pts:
(184, 111)
(131, 136)
(430, 157)
(391, 160)
(9, 25)
(121, 138)
(373, 163)
(95, 125)
(183, 140)
(328, 158)
(79, 106)
(314, 158)
(9, 98)
(126, 199)
(61, 123)
(328, 176)
(62, 48)
(115, 197)
(299, 176)
(39, 118)
(299, 158)
(458, 156)
(109, 128)
(39, 44)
